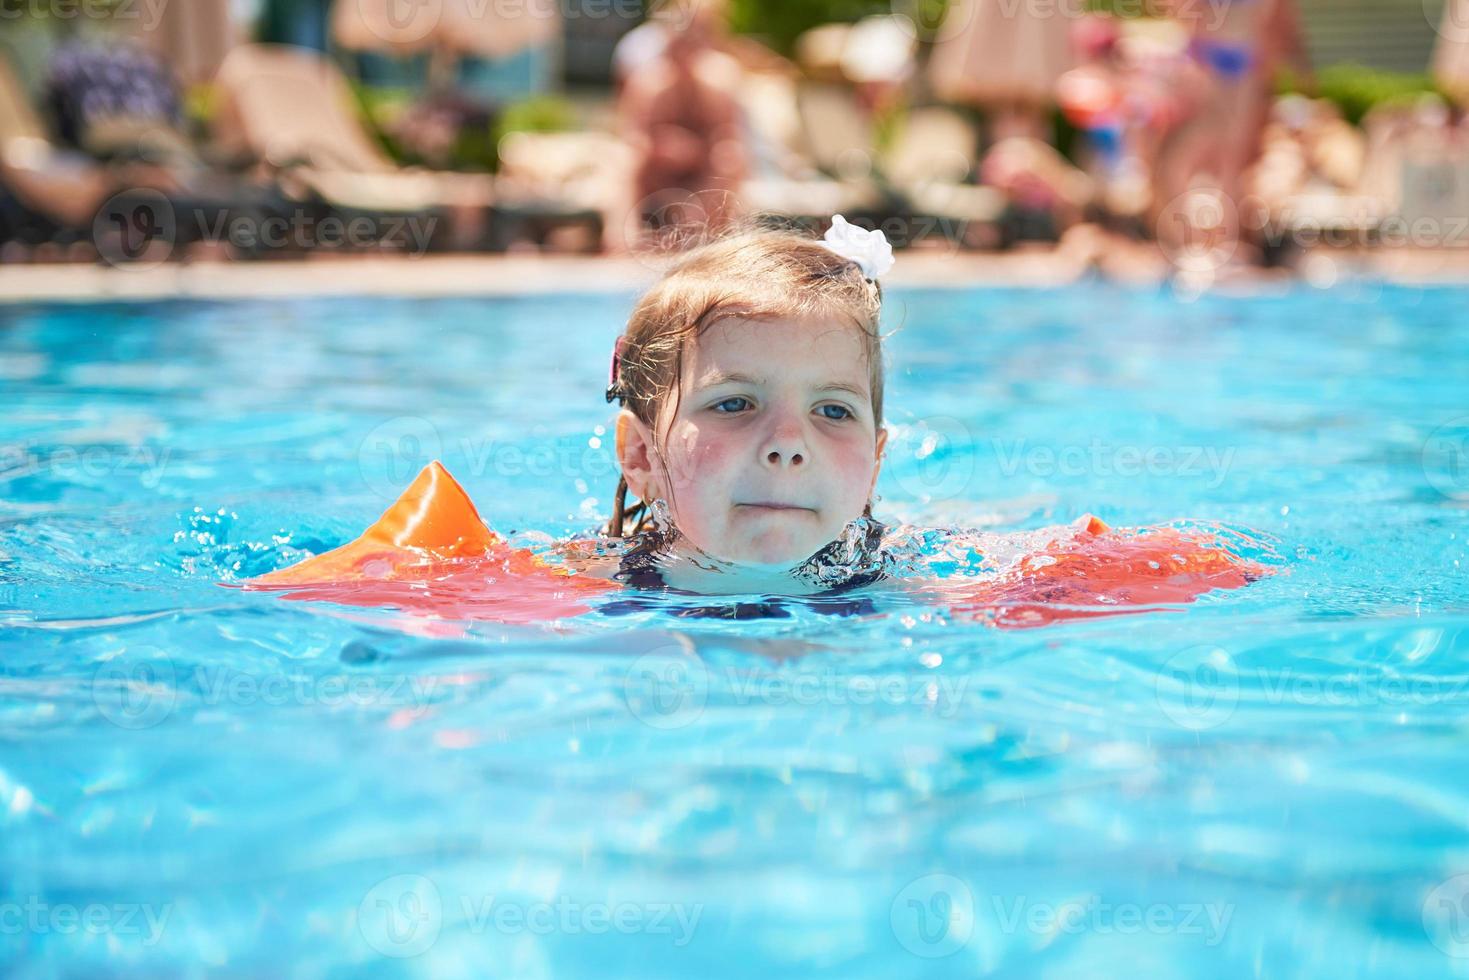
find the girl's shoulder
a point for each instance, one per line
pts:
(597, 557)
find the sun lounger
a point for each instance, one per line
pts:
(549, 181)
(784, 179)
(924, 177)
(292, 110)
(50, 189)
(933, 163)
(62, 195)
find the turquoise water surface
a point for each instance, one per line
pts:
(202, 781)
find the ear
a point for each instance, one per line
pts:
(882, 443)
(635, 455)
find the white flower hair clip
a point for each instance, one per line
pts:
(869, 249)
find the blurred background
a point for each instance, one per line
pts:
(1195, 138)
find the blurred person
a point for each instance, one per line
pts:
(879, 58)
(645, 44)
(1335, 149)
(682, 118)
(638, 49)
(1135, 85)
(1243, 52)
(749, 440)
(1042, 186)
(1004, 57)
(1283, 168)
(1199, 181)
(1417, 156)
(117, 101)
(113, 98)
(1450, 64)
(1319, 170)
(1309, 174)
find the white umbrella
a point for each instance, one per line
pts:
(997, 52)
(193, 38)
(483, 28)
(1451, 52)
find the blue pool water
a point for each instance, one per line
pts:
(198, 780)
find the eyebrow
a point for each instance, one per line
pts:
(727, 377)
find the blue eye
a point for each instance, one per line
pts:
(846, 412)
(744, 401)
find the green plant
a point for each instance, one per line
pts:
(378, 107)
(13, 9)
(536, 114)
(1128, 8)
(1356, 89)
(780, 22)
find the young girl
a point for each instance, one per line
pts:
(750, 434)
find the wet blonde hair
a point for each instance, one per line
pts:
(752, 274)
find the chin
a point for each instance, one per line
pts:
(782, 556)
(773, 550)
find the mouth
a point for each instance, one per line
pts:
(766, 506)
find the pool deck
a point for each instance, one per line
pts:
(521, 274)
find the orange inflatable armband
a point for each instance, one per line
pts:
(431, 553)
(1105, 572)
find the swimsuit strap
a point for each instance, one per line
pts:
(639, 565)
(638, 568)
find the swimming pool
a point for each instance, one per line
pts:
(197, 779)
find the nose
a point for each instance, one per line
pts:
(785, 445)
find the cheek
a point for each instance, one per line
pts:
(855, 464)
(697, 457)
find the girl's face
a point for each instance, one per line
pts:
(773, 448)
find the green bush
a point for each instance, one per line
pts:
(1356, 89)
(476, 144)
(537, 114)
(1129, 8)
(780, 22)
